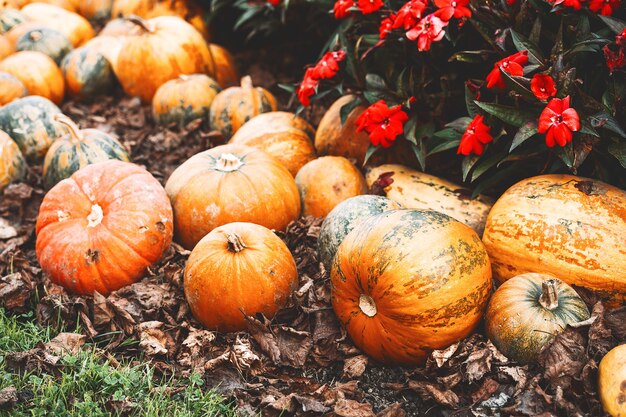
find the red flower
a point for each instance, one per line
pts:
(574, 4)
(558, 120)
(274, 2)
(605, 7)
(383, 124)
(614, 59)
(428, 30)
(452, 8)
(369, 6)
(475, 138)
(513, 65)
(386, 26)
(409, 14)
(328, 66)
(511, 3)
(621, 39)
(542, 86)
(341, 8)
(307, 86)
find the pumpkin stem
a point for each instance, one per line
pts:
(184, 77)
(35, 35)
(227, 162)
(235, 244)
(549, 298)
(246, 82)
(367, 305)
(142, 23)
(95, 217)
(70, 126)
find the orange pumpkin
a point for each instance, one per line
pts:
(612, 381)
(87, 73)
(164, 47)
(101, 228)
(69, 5)
(6, 48)
(107, 46)
(10, 88)
(117, 27)
(405, 282)
(567, 226)
(17, 31)
(77, 29)
(230, 183)
(273, 121)
(184, 99)
(225, 70)
(95, 9)
(38, 72)
(327, 181)
(238, 269)
(12, 163)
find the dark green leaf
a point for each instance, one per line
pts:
(511, 115)
(606, 121)
(518, 84)
(535, 33)
(472, 108)
(347, 108)
(484, 166)
(445, 146)
(460, 124)
(618, 150)
(616, 25)
(369, 153)
(425, 131)
(566, 154)
(467, 164)
(375, 82)
(527, 131)
(448, 134)
(287, 87)
(409, 130)
(494, 179)
(523, 44)
(473, 57)
(420, 153)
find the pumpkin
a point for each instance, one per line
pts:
(47, 41)
(327, 181)
(77, 29)
(87, 73)
(78, 149)
(69, 5)
(563, 225)
(12, 164)
(108, 46)
(612, 381)
(527, 312)
(117, 27)
(10, 17)
(38, 72)
(164, 47)
(225, 70)
(17, 31)
(230, 183)
(415, 189)
(95, 9)
(236, 105)
(271, 122)
(406, 282)
(29, 122)
(184, 99)
(238, 269)
(291, 147)
(344, 218)
(6, 48)
(10, 88)
(101, 228)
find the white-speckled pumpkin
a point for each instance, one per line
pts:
(12, 163)
(38, 72)
(10, 88)
(87, 73)
(184, 99)
(48, 41)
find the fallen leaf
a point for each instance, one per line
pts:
(7, 231)
(8, 398)
(354, 366)
(441, 356)
(394, 410)
(427, 391)
(66, 344)
(350, 408)
(15, 290)
(563, 359)
(153, 341)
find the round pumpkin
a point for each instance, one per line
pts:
(612, 381)
(12, 163)
(238, 269)
(38, 72)
(69, 5)
(6, 48)
(107, 46)
(327, 181)
(101, 228)
(344, 218)
(406, 282)
(10, 88)
(78, 149)
(527, 312)
(415, 189)
(225, 69)
(29, 122)
(236, 105)
(563, 225)
(87, 73)
(184, 99)
(10, 17)
(230, 183)
(17, 31)
(95, 9)
(164, 47)
(273, 121)
(77, 29)
(118, 27)
(50, 42)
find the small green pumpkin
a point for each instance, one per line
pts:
(345, 217)
(47, 41)
(29, 122)
(87, 73)
(12, 164)
(10, 17)
(78, 149)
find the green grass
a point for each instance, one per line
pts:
(87, 382)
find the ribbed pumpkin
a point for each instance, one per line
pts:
(271, 122)
(236, 105)
(527, 312)
(78, 149)
(567, 226)
(101, 228)
(38, 72)
(48, 41)
(108, 46)
(230, 183)
(327, 181)
(405, 282)
(69, 5)
(12, 163)
(10, 17)
(6, 48)
(612, 381)
(184, 99)
(95, 9)
(344, 218)
(87, 73)
(10, 88)
(164, 47)
(117, 27)
(77, 29)
(20, 30)
(415, 189)
(238, 269)
(29, 122)
(225, 69)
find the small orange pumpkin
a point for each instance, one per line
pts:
(10, 88)
(77, 29)
(238, 269)
(6, 48)
(611, 381)
(118, 27)
(101, 228)
(327, 181)
(95, 9)
(48, 41)
(225, 70)
(12, 163)
(20, 30)
(273, 121)
(107, 46)
(87, 73)
(38, 72)
(184, 99)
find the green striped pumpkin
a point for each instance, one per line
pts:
(87, 73)
(47, 41)
(12, 164)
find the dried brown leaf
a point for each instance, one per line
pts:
(66, 344)
(354, 366)
(350, 408)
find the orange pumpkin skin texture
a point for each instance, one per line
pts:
(527, 312)
(230, 183)
(95, 9)
(225, 69)
(238, 267)
(9, 17)
(327, 181)
(77, 29)
(157, 51)
(271, 122)
(612, 381)
(184, 99)
(101, 228)
(117, 27)
(10, 88)
(236, 105)
(405, 282)
(12, 163)
(87, 73)
(38, 72)
(6, 48)
(107, 46)
(567, 226)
